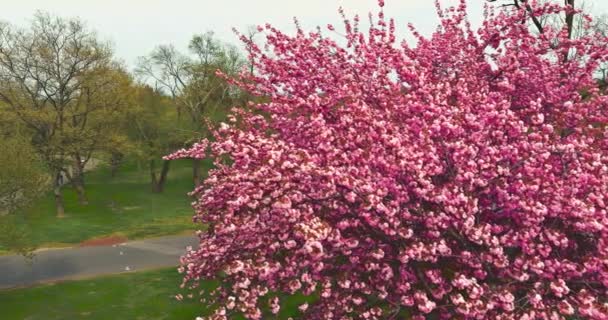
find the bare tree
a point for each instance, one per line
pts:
(250, 37)
(167, 69)
(574, 21)
(191, 79)
(540, 22)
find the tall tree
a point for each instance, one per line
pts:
(23, 179)
(192, 82)
(105, 100)
(463, 178)
(153, 130)
(58, 79)
(539, 20)
(22, 175)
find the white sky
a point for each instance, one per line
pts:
(135, 27)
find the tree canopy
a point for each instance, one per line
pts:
(61, 82)
(465, 177)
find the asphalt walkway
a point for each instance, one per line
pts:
(82, 262)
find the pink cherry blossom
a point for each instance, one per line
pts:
(465, 177)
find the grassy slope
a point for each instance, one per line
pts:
(123, 205)
(144, 295)
(137, 213)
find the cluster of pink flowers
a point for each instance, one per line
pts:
(465, 177)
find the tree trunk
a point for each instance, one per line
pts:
(60, 210)
(163, 173)
(78, 181)
(81, 193)
(153, 178)
(158, 182)
(115, 162)
(196, 171)
(569, 25)
(570, 18)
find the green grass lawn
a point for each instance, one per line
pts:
(144, 295)
(123, 205)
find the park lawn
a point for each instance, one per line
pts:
(123, 206)
(145, 295)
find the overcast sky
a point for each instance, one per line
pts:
(135, 27)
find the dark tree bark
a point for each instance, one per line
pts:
(569, 24)
(115, 162)
(158, 180)
(196, 172)
(81, 192)
(570, 18)
(78, 180)
(57, 184)
(519, 4)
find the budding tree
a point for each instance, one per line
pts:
(465, 177)
(23, 180)
(191, 81)
(59, 80)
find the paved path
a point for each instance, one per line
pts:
(81, 262)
